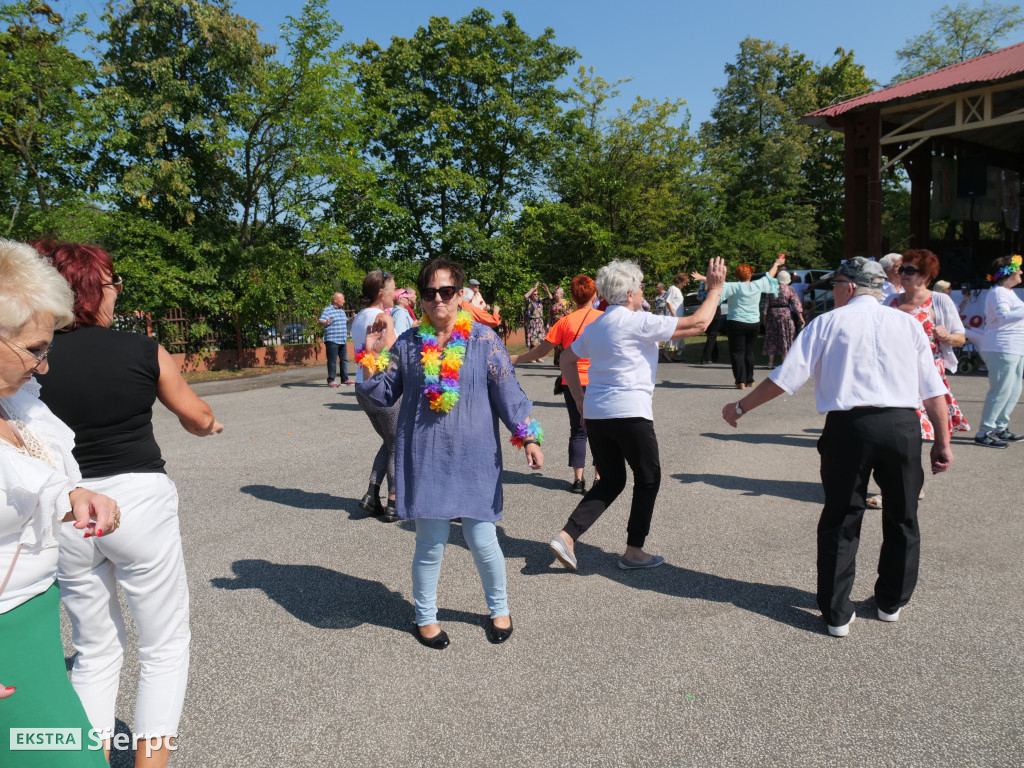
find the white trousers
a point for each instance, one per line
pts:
(144, 556)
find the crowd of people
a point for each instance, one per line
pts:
(89, 507)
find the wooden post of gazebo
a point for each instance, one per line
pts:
(863, 184)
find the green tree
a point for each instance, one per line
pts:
(45, 119)
(958, 33)
(459, 120)
(296, 149)
(618, 188)
(754, 154)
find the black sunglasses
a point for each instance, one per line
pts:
(910, 270)
(834, 283)
(117, 283)
(446, 291)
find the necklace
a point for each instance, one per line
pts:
(441, 367)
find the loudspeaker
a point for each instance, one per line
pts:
(971, 176)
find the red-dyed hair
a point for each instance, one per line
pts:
(582, 289)
(83, 267)
(924, 260)
(744, 272)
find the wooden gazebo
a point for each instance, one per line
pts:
(959, 132)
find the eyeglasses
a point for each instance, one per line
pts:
(834, 283)
(116, 283)
(909, 270)
(39, 357)
(446, 291)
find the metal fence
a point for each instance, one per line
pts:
(178, 332)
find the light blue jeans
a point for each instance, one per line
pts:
(1004, 385)
(431, 538)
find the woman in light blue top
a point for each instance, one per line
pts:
(744, 300)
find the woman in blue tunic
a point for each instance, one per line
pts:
(460, 382)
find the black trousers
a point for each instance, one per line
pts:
(710, 351)
(577, 433)
(741, 349)
(852, 444)
(613, 444)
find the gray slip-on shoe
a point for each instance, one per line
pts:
(652, 562)
(561, 551)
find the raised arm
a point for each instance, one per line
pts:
(175, 393)
(698, 322)
(541, 350)
(779, 261)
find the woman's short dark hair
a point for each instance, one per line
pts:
(924, 260)
(436, 265)
(582, 289)
(373, 284)
(82, 265)
(1002, 261)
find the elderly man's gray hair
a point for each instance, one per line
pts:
(891, 260)
(29, 286)
(618, 278)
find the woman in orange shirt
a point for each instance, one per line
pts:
(563, 333)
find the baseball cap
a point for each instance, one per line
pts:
(862, 271)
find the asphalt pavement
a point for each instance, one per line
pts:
(301, 603)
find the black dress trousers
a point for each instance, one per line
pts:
(852, 445)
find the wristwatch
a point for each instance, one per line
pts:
(739, 408)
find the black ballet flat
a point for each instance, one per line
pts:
(438, 642)
(496, 634)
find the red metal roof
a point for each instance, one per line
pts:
(989, 67)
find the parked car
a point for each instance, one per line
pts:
(293, 333)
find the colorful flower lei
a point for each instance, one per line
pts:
(1004, 272)
(441, 367)
(527, 430)
(373, 363)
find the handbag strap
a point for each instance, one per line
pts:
(582, 322)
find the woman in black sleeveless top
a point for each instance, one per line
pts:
(103, 383)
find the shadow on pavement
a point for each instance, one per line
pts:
(798, 490)
(300, 499)
(303, 384)
(787, 605)
(353, 406)
(329, 599)
(510, 476)
(797, 441)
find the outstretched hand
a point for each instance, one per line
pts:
(5, 691)
(375, 335)
(716, 273)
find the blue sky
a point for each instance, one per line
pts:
(669, 49)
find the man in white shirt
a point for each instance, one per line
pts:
(870, 365)
(477, 299)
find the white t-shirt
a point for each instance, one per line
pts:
(360, 325)
(674, 297)
(1004, 322)
(623, 350)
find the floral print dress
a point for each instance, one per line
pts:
(957, 420)
(535, 329)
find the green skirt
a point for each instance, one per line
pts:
(32, 660)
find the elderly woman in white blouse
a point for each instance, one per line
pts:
(38, 476)
(622, 345)
(1003, 349)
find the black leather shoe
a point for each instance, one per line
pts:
(370, 503)
(496, 634)
(390, 513)
(579, 486)
(438, 642)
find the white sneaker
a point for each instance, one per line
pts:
(842, 631)
(894, 616)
